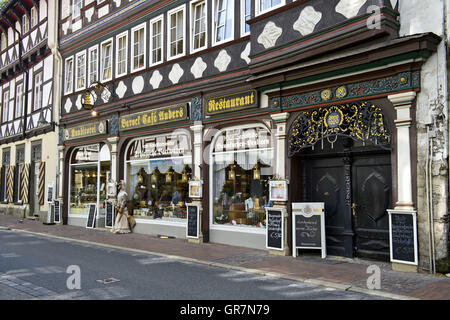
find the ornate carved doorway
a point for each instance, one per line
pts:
(344, 153)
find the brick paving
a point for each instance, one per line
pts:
(347, 272)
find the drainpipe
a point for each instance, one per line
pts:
(429, 191)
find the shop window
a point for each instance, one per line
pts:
(90, 170)
(158, 173)
(76, 8)
(241, 169)
(223, 20)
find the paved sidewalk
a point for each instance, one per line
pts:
(340, 273)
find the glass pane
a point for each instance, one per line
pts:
(83, 187)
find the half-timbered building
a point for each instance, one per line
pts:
(209, 101)
(27, 129)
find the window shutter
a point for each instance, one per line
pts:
(41, 193)
(24, 180)
(10, 184)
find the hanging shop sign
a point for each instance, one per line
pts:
(151, 147)
(308, 227)
(243, 139)
(85, 130)
(232, 102)
(154, 117)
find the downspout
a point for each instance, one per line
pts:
(429, 188)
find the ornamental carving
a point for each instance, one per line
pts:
(359, 121)
(307, 20)
(270, 35)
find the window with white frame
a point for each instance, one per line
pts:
(5, 106)
(4, 42)
(106, 60)
(25, 24)
(34, 16)
(246, 11)
(76, 8)
(37, 91)
(138, 51)
(176, 32)
(19, 100)
(223, 20)
(121, 54)
(198, 25)
(156, 39)
(68, 82)
(93, 65)
(263, 6)
(80, 71)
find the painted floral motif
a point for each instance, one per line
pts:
(349, 8)
(307, 20)
(270, 35)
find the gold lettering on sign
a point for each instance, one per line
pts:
(154, 117)
(232, 102)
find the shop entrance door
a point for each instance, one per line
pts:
(356, 188)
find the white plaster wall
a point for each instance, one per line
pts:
(417, 16)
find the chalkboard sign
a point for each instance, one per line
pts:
(308, 227)
(403, 236)
(192, 228)
(275, 228)
(90, 223)
(109, 218)
(57, 209)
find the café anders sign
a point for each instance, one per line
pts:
(232, 102)
(154, 117)
(85, 130)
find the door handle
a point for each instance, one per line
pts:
(354, 209)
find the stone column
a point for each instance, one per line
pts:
(113, 141)
(280, 120)
(402, 103)
(197, 155)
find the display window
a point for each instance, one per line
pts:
(241, 168)
(90, 170)
(158, 170)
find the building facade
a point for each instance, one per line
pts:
(27, 132)
(341, 99)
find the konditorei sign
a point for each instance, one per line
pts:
(154, 117)
(232, 102)
(85, 130)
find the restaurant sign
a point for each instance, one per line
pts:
(154, 117)
(85, 130)
(232, 102)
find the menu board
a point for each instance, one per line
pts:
(57, 205)
(403, 237)
(109, 217)
(192, 228)
(307, 231)
(275, 224)
(308, 227)
(91, 215)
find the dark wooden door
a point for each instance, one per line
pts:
(356, 189)
(371, 196)
(324, 181)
